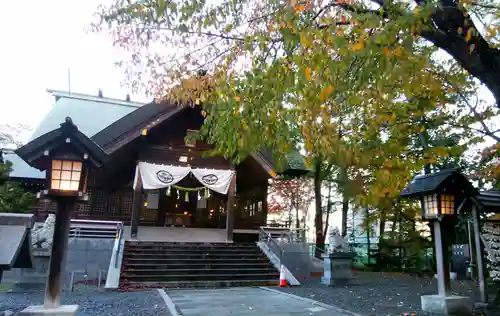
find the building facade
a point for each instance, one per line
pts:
(155, 134)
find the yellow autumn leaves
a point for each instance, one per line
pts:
(308, 73)
(357, 46)
(325, 93)
(397, 51)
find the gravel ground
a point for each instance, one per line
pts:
(92, 302)
(378, 294)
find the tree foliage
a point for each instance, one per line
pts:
(291, 196)
(13, 198)
(354, 90)
(9, 135)
(358, 86)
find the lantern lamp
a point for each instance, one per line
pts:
(438, 192)
(434, 206)
(66, 175)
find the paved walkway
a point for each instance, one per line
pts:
(245, 302)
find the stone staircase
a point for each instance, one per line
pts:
(194, 265)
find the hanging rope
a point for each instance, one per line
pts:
(187, 190)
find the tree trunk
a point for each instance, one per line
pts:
(328, 209)
(383, 219)
(318, 216)
(345, 210)
(345, 199)
(297, 221)
(368, 229)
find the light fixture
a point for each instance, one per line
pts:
(439, 192)
(434, 206)
(66, 175)
(183, 159)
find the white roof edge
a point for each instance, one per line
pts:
(81, 96)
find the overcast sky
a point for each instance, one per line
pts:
(41, 40)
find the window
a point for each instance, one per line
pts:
(190, 134)
(66, 174)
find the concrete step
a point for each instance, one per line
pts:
(206, 261)
(192, 250)
(210, 271)
(152, 244)
(199, 265)
(157, 277)
(189, 248)
(183, 260)
(200, 255)
(192, 265)
(131, 286)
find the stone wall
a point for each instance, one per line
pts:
(491, 235)
(84, 257)
(89, 256)
(297, 259)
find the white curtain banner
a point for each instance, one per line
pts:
(155, 176)
(217, 180)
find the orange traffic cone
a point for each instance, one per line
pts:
(282, 276)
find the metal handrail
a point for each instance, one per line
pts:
(313, 248)
(92, 221)
(87, 228)
(266, 237)
(119, 236)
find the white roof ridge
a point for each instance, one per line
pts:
(87, 97)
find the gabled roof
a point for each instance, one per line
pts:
(90, 113)
(20, 168)
(430, 183)
(490, 200)
(33, 151)
(133, 123)
(294, 163)
(131, 126)
(111, 123)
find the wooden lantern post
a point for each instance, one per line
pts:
(67, 155)
(439, 193)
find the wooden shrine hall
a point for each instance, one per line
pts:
(153, 176)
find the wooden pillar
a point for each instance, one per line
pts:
(442, 264)
(230, 209)
(65, 206)
(479, 256)
(264, 204)
(136, 206)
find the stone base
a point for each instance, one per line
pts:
(337, 268)
(38, 310)
(447, 305)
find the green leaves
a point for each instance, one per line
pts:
(13, 198)
(356, 91)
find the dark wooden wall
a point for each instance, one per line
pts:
(166, 143)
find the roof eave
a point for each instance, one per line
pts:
(34, 150)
